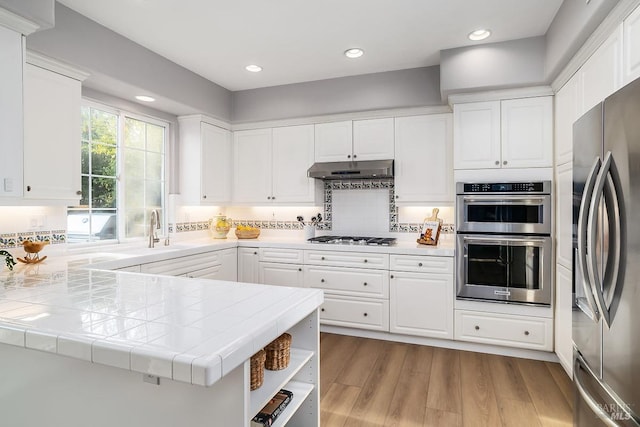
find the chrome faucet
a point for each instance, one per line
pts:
(154, 224)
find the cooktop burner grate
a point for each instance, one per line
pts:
(353, 240)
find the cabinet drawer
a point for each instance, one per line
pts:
(356, 313)
(289, 256)
(348, 281)
(501, 329)
(347, 259)
(182, 265)
(421, 263)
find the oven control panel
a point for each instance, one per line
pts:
(504, 187)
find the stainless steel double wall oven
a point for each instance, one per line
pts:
(504, 242)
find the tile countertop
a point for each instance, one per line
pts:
(189, 330)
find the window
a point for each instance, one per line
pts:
(123, 176)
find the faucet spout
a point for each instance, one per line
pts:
(154, 224)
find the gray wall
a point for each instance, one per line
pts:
(393, 89)
(88, 45)
(492, 66)
(571, 27)
(39, 11)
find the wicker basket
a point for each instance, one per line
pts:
(247, 234)
(278, 353)
(257, 369)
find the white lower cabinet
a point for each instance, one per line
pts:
(563, 317)
(248, 265)
(355, 312)
(348, 281)
(421, 296)
(503, 329)
(220, 265)
(280, 274)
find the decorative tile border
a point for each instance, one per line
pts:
(326, 224)
(14, 240)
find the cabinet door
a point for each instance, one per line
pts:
(527, 132)
(248, 265)
(216, 164)
(51, 135)
(564, 214)
(421, 304)
(563, 304)
(11, 117)
(281, 274)
(252, 166)
(567, 111)
(476, 135)
(292, 155)
(631, 45)
(423, 149)
(601, 75)
(373, 139)
(334, 141)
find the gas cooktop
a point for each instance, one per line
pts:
(353, 240)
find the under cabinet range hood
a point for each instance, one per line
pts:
(352, 170)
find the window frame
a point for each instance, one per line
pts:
(122, 114)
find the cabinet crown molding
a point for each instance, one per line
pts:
(17, 23)
(207, 119)
(499, 95)
(51, 64)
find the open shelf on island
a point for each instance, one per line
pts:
(300, 392)
(276, 380)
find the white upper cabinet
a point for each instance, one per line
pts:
(271, 165)
(564, 214)
(52, 135)
(292, 155)
(334, 141)
(567, 111)
(205, 162)
(373, 139)
(357, 140)
(424, 149)
(252, 166)
(601, 75)
(476, 135)
(514, 133)
(631, 43)
(527, 132)
(11, 118)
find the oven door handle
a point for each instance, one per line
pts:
(583, 230)
(502, 200)
(504, 240)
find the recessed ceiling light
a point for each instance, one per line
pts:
(354, 53)
(145, 98)
(253, 68)
(479, 35)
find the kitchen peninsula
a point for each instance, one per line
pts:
(92, 347)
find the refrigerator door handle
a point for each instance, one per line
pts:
(605, 186)
(595, 407)
(617, 235)
(583, 231)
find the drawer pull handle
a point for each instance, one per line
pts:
(477, 328)
(322, 309)
(299, 269)
(526, 333)
(365, 315)
(365, 260)
(321, 280)
(255, 253)
(365, 283)
(322, 258)
(419, 264)
(391, 276)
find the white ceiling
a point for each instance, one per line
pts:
(304, 40)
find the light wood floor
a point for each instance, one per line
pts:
(365, 382)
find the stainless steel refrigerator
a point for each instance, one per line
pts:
(606, 281)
